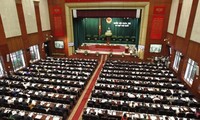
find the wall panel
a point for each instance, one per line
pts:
(196, 26)
(15, 44)
(179, 45)
(173, 14)
(33, 39)
(10, 19)
(192, 51)
(184, 18)
(29, 15)
(44, 15)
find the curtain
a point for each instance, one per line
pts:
(79, 32)
(91, 26)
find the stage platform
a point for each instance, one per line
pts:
(114, 49)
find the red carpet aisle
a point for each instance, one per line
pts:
(87, 92)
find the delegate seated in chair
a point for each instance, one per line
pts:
(124, 117)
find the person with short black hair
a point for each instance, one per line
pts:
(124, 117)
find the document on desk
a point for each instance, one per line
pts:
(48, 105)
(114, 113)
(21, 113)
(166, 107)
(57, 95)
(6, 97)
(142, 116)
(64, 96)
(56, 118)
(171, 118)
(48, 118)
(30, 114)
(38, 116)
(153, 117)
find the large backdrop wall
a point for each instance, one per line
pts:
(92, 30)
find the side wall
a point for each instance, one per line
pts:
(24, 29)
(185, 42)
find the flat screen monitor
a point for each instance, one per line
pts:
(155, 48)
(59, 44)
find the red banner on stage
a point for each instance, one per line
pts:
(57, 17)
(157, 22)
(58, 28)
(157, 27)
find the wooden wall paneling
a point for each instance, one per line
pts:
(40, 37)
(38, 19)
(4, 51)
(174, 40)
(188, 48)
(2, 33)
(153, 4)
(15, 44)
(33, 39)
(183, 43)
(165, 49)
(190, 24)
(179, 45)
(192, 51)
(52, 4)
(25, 41)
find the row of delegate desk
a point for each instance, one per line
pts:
(46, 90)
(142, 91)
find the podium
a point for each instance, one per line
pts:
(108, 35)
(108, 38)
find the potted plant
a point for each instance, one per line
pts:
(120, 38)
(86, 52)
(88, 37)
(127, 38)
(133, 39)
(114, 38)
(95, 37)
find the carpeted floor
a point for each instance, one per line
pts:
(80, 108)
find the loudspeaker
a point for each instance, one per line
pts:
(74, 13)
(138, 13)
(7, 58)
(197, 70)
